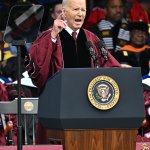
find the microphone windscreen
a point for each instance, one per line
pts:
(88, 44)
(100, 44)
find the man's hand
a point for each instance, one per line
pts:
(59, 24)
(9, 127)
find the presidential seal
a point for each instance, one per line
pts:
(103, 92)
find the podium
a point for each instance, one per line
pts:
(65, 110)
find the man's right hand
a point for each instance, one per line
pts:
(59, 24)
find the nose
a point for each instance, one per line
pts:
(119, 9)
(81, 11)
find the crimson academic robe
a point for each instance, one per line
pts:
(46, 57)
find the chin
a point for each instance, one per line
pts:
(79, 25)
(118, 19)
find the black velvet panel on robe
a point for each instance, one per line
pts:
(73, 59)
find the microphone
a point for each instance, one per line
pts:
(90, 48)
(101, 47)
(93, 54)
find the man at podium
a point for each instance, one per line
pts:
(66, 45)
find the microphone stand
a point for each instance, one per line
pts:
(95, 58)
(96, 61)
(18, 44)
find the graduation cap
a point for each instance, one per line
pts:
(140, 25)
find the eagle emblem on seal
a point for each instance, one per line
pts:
(103, 92)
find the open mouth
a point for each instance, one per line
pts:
(78, 20)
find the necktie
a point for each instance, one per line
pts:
(74, 35)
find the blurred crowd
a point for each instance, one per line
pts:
(125, 33)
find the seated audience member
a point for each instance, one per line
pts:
(143, 13)
(113, 29)
(138, 43)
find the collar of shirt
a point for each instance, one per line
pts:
(69, 30)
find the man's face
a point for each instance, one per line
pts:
(57, 11)
(75, 13)
(114, 11)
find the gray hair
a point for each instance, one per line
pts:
(65, 3)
